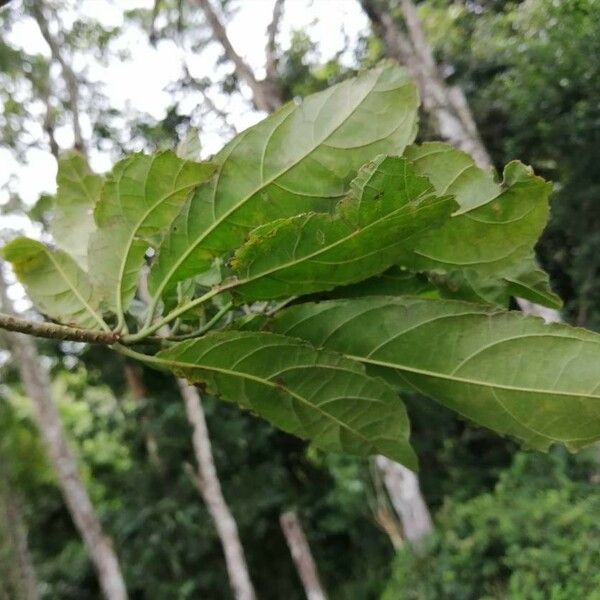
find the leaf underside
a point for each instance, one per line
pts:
(509, 372)
(314, 394)
(139, 201)
(390, 206)
(299, 159)
(485, 252)
(55, 282)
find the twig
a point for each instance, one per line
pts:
(54, 331)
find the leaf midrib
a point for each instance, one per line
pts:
(75, 291)
(464, 380)
(177, 364)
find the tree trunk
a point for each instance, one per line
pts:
(265, 93)
(37, 386)
(208, 484)
(303, 559)
(403, 488)
(210, 489)
(20, 578)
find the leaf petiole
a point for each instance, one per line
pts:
(150, 329)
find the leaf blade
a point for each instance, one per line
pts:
(506, 371)
(389, 206)
(317, 395)
(299, 159)
(140, 199)
(55, 282)
(486, 250)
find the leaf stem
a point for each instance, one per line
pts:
(55, 331)
(145, 358)
(206, 327)
(150, 329)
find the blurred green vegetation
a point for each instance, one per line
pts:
(535, 536)
(509, 523)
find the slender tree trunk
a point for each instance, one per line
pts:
(403, 488)
(382, 509)
(20, 578)
(209, 487)
(69, 77)
(303, 558)
(37, 386)
(208, 484)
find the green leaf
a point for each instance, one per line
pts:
(525, 280)
(73, 220)
(139, 201)
(314, 394)
(390, 206)
(485, 247)
(394, 282)
(504, 370)
(300, 159)
(55, 282)
(532, 282)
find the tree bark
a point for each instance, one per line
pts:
(303, 559)
(265, 93)
(37, 386)
(403, 488)
(21, 571)
(209, 487)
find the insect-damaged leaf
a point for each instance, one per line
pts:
(300, 159)
(389, 207)
(315, 394)
(504, 370)
(485, 251)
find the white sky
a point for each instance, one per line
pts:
(141, 81)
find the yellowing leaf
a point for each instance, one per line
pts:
(55, 282)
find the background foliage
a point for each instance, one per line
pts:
(509, 523)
